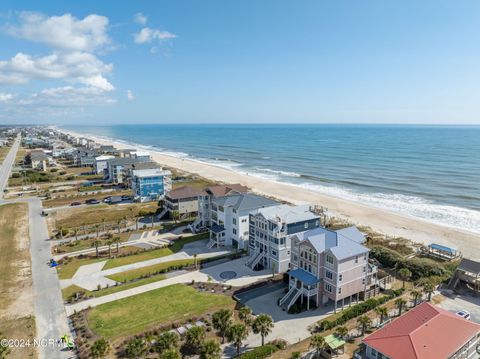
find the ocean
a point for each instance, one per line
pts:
(428, 172)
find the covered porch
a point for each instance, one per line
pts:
(301, 284)
(217, 236)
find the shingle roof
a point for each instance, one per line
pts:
(244, 201)
(352, 233)
(470, 266)
(425, 332)
(223, 190)
(184, 192)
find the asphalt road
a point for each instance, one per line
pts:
(51, 318)
(7, 165)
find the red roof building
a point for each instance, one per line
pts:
(425, 332)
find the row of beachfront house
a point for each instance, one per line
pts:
(323, 265)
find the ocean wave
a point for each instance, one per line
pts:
(278, 172)
(417, 207)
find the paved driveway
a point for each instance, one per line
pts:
(459, 302)
(291, 327)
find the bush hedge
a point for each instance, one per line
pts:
(420, 267)
(357, 310)
(259, 352)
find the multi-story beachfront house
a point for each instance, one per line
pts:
(329, 266)
(271, 229)
(230, 218)
(183, 201)
(150, 184)
(204, 219)
(101, 163)
(117, 168)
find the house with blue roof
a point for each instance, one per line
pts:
(329, 267)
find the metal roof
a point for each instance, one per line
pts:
(304, 276)
(425, 332)
(244, 201)
(217, 228)
(340, 246)
(442, 248)
(285, 213)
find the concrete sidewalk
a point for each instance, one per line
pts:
(244, 276)
(90, 276)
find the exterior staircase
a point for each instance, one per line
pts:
(212, 243)
(254, 259)
(194, 226)
(163, 213)
(290, 298)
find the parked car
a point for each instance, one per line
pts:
(464, 314)
(92, 201)
(126, 198)
(75, 204)
(44, 213)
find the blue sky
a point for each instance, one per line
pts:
(102, 62)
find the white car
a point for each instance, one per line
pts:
(464, 314)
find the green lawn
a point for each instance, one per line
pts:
(132, 315)
(137, 273)
(72, 289)
(66, 271)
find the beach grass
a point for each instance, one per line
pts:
(138, 313)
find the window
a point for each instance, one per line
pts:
(306, 225)
(316, 223)
(328, 287)
(339, 290)
(234, 220)
(244, 220)
(356, 259)
(340, 277)
(274, 253)
(329, 259)
(364, 269)
(329, 274)
(234, 231)
(363, 281)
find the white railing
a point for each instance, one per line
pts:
(286, 296)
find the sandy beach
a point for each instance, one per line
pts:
(380, 220)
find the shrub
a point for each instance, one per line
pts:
(62, 173)
(259, 352)
(16, 175)
(53, 170)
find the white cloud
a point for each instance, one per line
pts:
(130, 95)
(63, 32)
(147, 35)
(5, 97)
(140, 18)
(81, 67)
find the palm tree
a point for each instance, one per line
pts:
(210, 350)
(341, 332)
(237, 333)
(318, 342)
(263, 325)
(382, 312)
(245, 315)
(136, 348)
(415, 295)
(60, 230)
(116, 240)
(364, 322)
(167, 341)
(175, 215)
(109, 244)
(97, 228)
(136, 223)
(404, 275)
(103, 224)
(119, 222)
(75, 232)
(296, 355)
(400, 303)
(95, 244)
(84, 228)
(222, 320)
(195, 260)
(99, 349)
(195, 337)
(429, 287)
(125, 221)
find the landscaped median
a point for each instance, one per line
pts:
(69, 266)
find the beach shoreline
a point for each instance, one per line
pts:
(380, 220)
